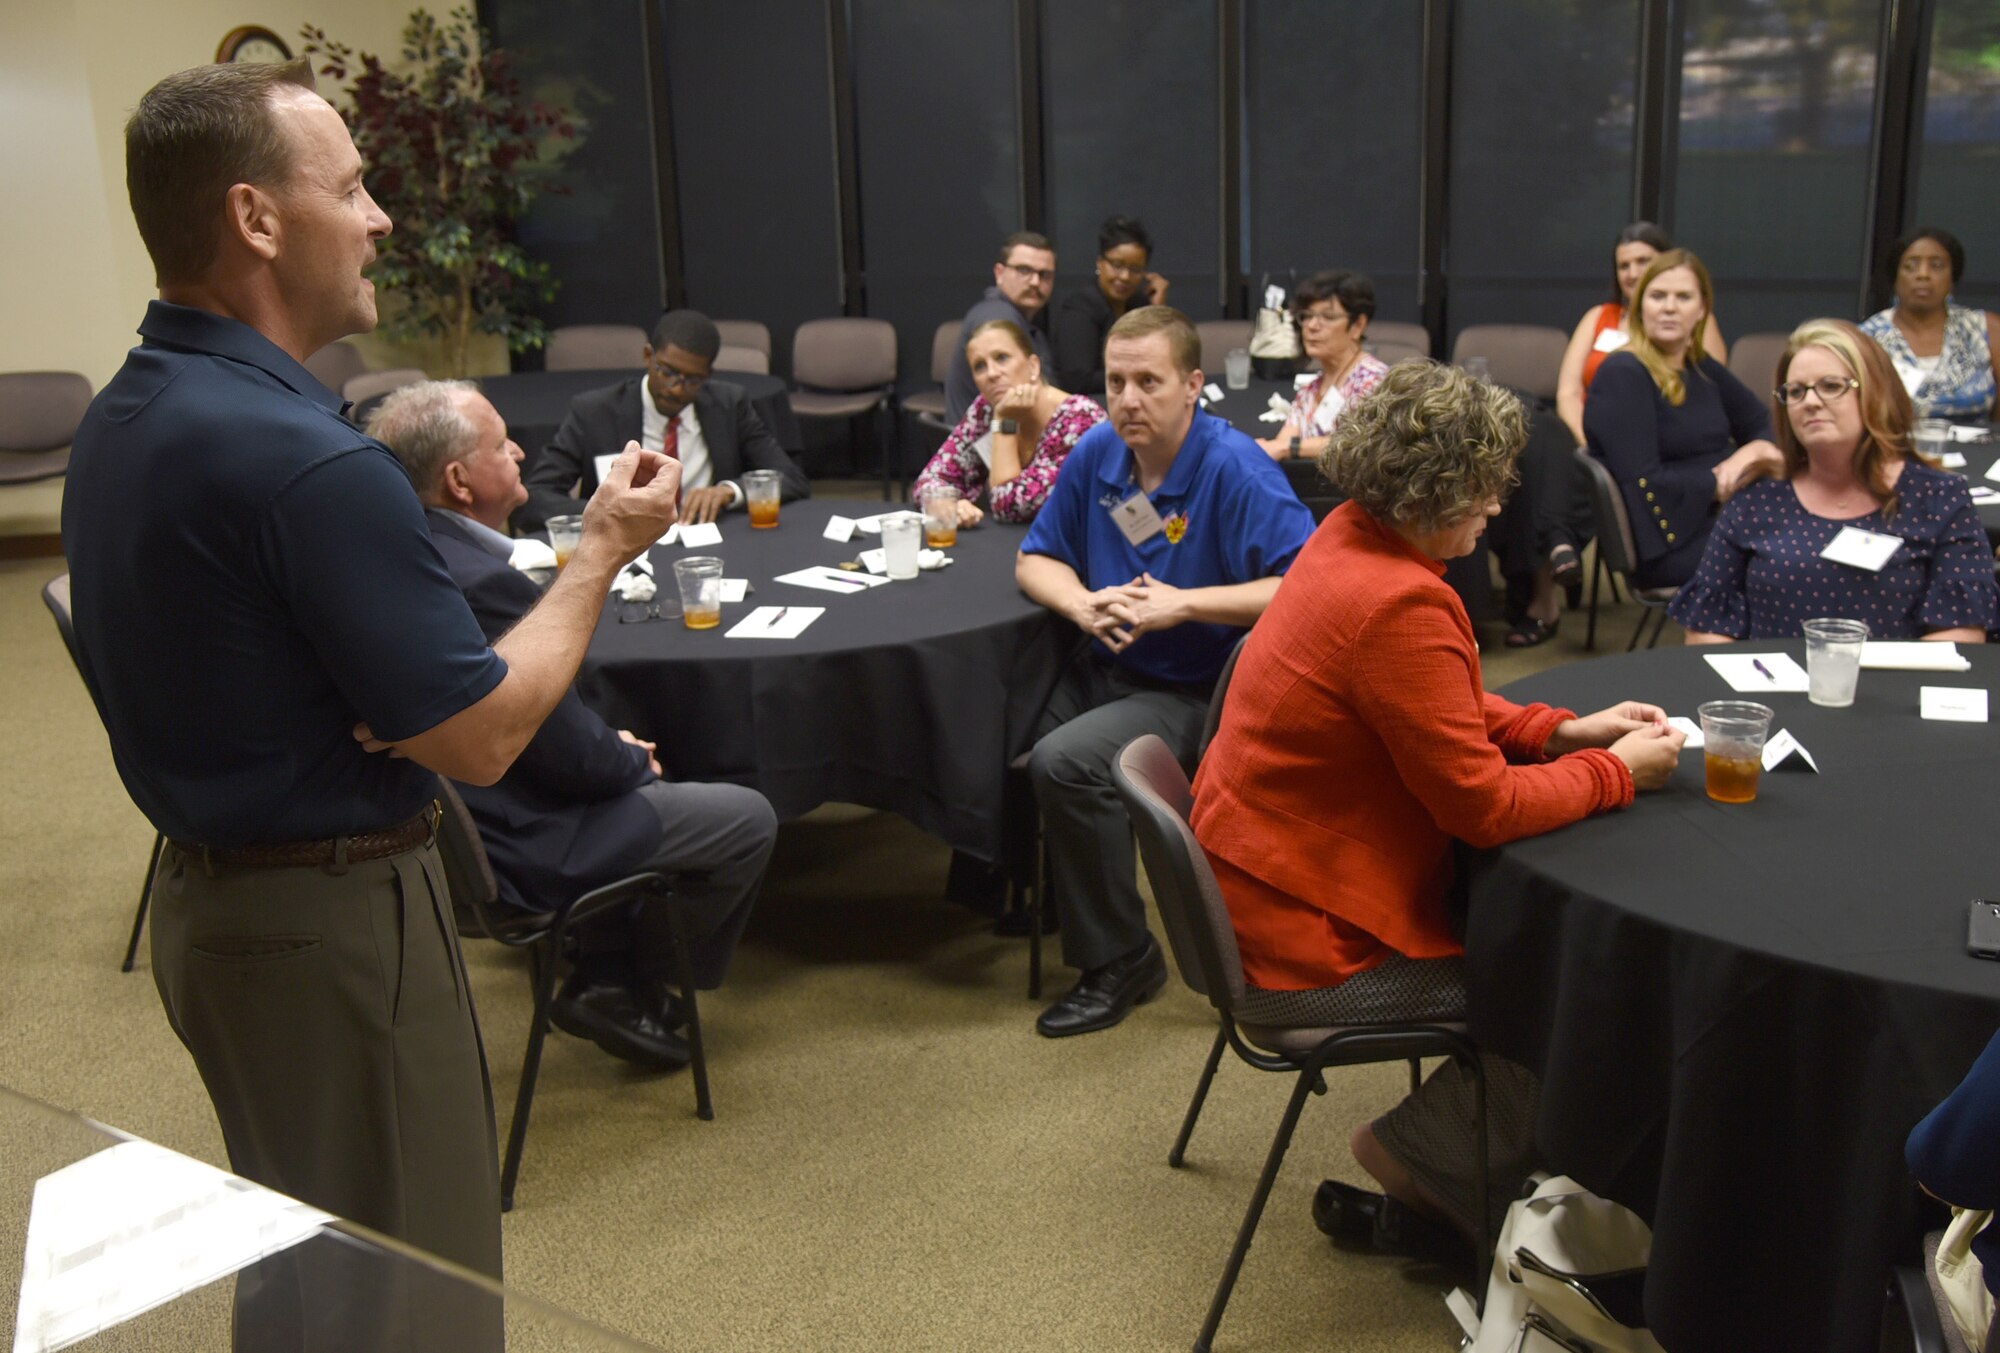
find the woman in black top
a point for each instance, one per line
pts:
(1680, 436)
(1124, 282)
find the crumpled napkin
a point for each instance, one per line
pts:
(635, 581)
(1277, 411)
(530, 553)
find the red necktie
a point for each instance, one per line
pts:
(670, 446)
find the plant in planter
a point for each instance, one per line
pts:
(455, 152)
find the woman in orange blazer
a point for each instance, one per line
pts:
(1358, 741)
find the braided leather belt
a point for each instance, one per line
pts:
(406, 836)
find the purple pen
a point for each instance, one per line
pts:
(1758, 663)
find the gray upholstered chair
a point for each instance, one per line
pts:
(1618, 555)
(746, 333)
(1753, 359)
(1523, 357)
(475, 900)
(1287, 1036)
(845, 370)
(928, 405)
(596, 347)
(56, 597)
(374, 384)
(1219, 338)
(1396, 333)
(336, 364)
(730, 357)
(39, 413)
(1394, 354)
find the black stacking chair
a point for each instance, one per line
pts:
(56, 597)
(1618, 555)
(475, 896)
(1157, 794)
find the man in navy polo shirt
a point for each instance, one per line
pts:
(284, 667)
(1164, 538)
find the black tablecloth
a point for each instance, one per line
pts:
(534, 402)
(1470, 577)
(910, 697)
(1981, 456)
(1739, 1012)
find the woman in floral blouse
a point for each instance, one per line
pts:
(1333, 310)
(1014, 410)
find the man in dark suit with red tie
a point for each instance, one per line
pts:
(709, 425)
(585, 804)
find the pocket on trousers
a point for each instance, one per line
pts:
(254, 948)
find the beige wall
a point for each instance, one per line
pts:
(76, 276)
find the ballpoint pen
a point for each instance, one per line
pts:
(1758, 663)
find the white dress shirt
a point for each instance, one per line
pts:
(697, 469)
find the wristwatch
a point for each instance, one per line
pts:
(1296, 444)
(1008, 426)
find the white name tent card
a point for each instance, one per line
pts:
(735, 589)
(700, 536)
(603, 464)
(1692, 728)
(775, 622)
(1993, 471)
(1952, 460)
(1758, 673)
(672, 536)
(1213, 391)
(829, 579)
(1868, 550)
(1954, 704)
(1913, 655)
(839, 528)
(1782, 748)
(531, 553)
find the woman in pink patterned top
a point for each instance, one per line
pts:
(1333, 310)
(1014, 409)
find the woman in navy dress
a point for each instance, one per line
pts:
(1678, 432)
(1848, 462)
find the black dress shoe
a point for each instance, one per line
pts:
(1345, 1213)
(1405, 1231)
(608, 1016)
(1104, 996)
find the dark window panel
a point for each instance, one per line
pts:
(1335, 146)
(1132, 130)
(1960, 164)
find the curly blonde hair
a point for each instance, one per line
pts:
(1429, 446)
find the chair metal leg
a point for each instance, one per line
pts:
(1178, 1155)
(1480, 1183)
(1640, 629)
(145, 897)
(1416, 1074)
(1272, 1162)
(704, 1107)
(543, 974)
(1597, 567)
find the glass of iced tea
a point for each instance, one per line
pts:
(760, 495)
(1732, 734)
(564, 533)
(699, 577)
(940, 508)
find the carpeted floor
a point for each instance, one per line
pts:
(897, 1161)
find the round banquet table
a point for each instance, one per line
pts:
(910, 697)
(534, 403)
(1739, 1012)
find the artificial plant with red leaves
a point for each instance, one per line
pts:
(455, 151)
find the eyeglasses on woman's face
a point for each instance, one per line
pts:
(1121, 269)
(1324, 315)
(1828, 388)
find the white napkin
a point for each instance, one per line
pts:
(1277, 411)
(531, 553)
(1913, 655)
(635, 581)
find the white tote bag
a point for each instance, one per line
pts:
(1553, 1246)
(1962, 1277)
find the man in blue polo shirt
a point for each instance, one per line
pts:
(1164, 538)
(284, 667)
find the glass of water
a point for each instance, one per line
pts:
(1833, 660)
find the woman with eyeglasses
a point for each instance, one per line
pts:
(1332, 310)
(1679, 433)
(1946, 354)
(1848, 462)
(1125, 281)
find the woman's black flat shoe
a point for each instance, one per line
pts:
(1403, 1231)
(1345, 1213)
(1565, 568)
(1529, 632)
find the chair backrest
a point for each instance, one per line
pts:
(944, 350)
(1753, 359)
(1214, 719)
(1157, 796)
(336, 364)
(844, 354)
(1385, 332)
(1219, 338)
(746, 333)
(732, 358)
(1524, 357)
(1614, 524)
(469, 875)
(55, 595)
(1396, 353)
(596, 347)
(373, 384)
(39, 410)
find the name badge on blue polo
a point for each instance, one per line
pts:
(1138, 519)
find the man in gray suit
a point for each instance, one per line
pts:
(707, 424)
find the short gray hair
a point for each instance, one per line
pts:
(424, 425)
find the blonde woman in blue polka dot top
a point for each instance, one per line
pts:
(1845, 434)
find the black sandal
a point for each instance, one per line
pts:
(1564, 566)
(1529, 632)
